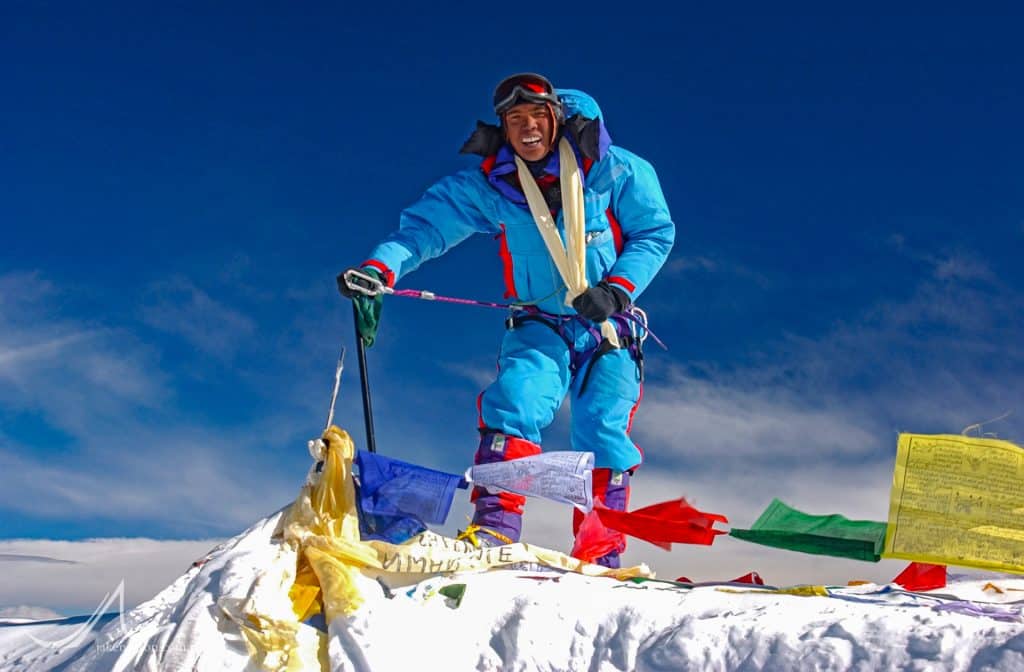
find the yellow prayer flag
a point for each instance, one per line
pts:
(957, 500)
(322, 562)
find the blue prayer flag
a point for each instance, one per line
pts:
(397, 500)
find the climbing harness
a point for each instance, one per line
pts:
(630, 326)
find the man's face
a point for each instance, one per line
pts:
(530, 130)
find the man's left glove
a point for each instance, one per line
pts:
(600, 301)
(367, 307)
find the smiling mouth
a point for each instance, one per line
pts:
(531, 141)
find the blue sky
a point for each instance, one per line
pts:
(180, 184)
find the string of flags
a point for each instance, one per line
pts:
(967, 487)
(954, 500)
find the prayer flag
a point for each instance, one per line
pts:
(922, 576)
(957, 500)
(660, 524)
(397, 500)
(563, 476)
(594, 539)
(784, 527)
(665, 523)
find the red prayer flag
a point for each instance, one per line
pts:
(922, 576)
(660, 524)
(665, 523)
(752, 578)
(593, 539)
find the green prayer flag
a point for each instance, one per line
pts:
(784, 527)
(454, 592)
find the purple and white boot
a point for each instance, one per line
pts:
(612, 489)
(498, 519)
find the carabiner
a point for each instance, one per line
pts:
(365, 284)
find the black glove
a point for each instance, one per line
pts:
(599, 302)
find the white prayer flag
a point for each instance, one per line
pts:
(563, 476)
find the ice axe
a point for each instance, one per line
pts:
(364, 382)
(368, 286)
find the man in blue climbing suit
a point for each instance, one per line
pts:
(557, 342)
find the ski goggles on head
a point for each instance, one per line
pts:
(525, 87)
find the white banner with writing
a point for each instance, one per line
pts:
(563, 476)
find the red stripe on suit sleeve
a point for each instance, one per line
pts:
(389, 275)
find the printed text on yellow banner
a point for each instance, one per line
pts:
(957, 500)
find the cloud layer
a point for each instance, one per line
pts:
(809, 417)
(104, 401)
(73, 577)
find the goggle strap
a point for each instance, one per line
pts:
(517, 92)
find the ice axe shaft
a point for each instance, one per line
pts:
(364, 382)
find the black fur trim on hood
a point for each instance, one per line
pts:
(487, 139)
(587, 134)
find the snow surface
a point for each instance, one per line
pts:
(540, 619)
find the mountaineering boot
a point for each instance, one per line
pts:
(498, 519)
(611, 488)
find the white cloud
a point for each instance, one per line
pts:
(124, 452)
(737, 419)
(186, 481)
(24, 611)
(679, 264)
(179, 307)
(71, 371)
(88, 570)
(481, 377)
(15, 357)
(962, 267)
(21, 288)
(948, 264)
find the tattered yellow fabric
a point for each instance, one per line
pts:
(273, 636)
(323, 560)
(799, 591)
(957, 500)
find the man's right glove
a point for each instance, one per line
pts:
(600, 301)
(367, 307)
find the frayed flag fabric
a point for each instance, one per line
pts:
(662, 524)
(397, 500)
(665, 523)
(594, 539)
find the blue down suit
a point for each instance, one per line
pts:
(629, 234)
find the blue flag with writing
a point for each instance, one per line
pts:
(397, 500)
